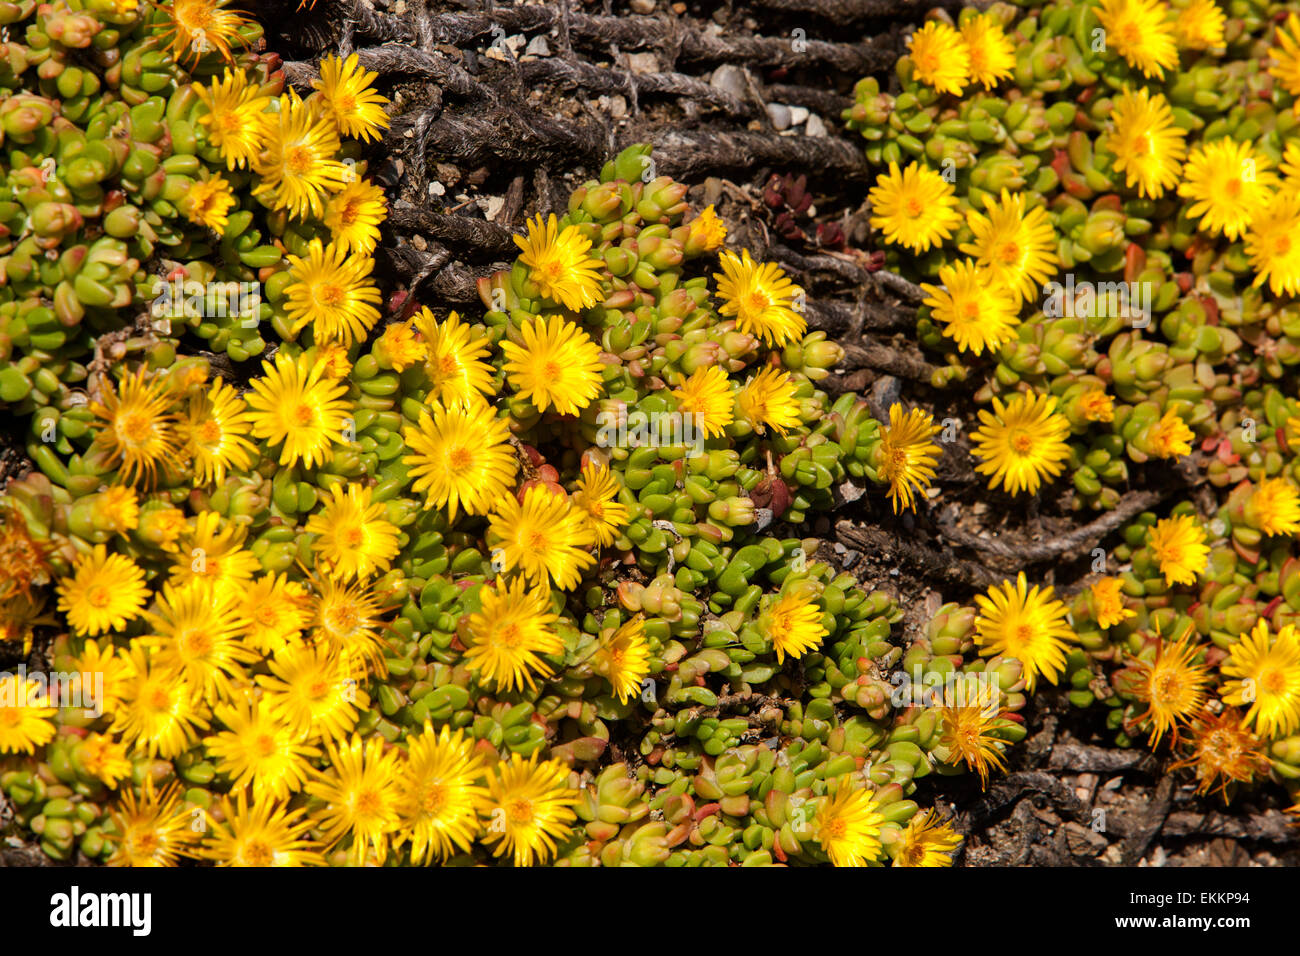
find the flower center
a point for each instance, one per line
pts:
(330, 294)
(99, 596)
(460, 458)
(304, 416)
(258, 853)
(298, 160)
(135, 428)
(520, 811)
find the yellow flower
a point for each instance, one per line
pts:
(295, 404)
(103, 593)
(24, 715)
(1199, 25)
(1108, 604)
(794, 625)
(915, 208)
(1223, 750)
(706, 230)
(214, 432)
(595, 497)
(557, 366)
(528, 809)
(118, 508)
(272, 614)
(1148, 147)
(847, 825)
(359, 788)
(296, 166)
(208, 203)
(940, 58)
(1170, 437)
(977, 310)
(440, 794)
(1275, 506)
(353, 216)
(969, 722)
(623, 659)
(907, 455)
(927, 841)
(260, 750)
(1096, 406)
(332, 358)
(1022, 442)
(1141, 33)
(1273, 244)
(346, 618)
(1286, 69)
(544, 537)
(991, 52)
(139, 430)
(350, 99)
(1173, 687)
(110, 662)
(333, 291)
(1266, 668)
(1229, 183)
(461, 458)
(558, 263)
(160, 715)
(707, 396)
(196, 27)
(213, 551)
(762, 299)
(400, 346)
(1026, 623)
(768, 401)
(1016, 248)
(511, 634)
(264, 835)
(454, 361)
(103, 758)
(353, 538)
(1178, 545)
(153, 830)
(195, 635)
(314, 691)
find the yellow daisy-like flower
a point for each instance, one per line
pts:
(440, 794)
(707, 396)
(333, 359)
(214, 431)
(559, 265)
(1275, 507)
(1286, 55)
(333, 291)
(528, 809)
(361, 796)
(1222, 750)
(706, 231)
(1178, 545)
(1096, 406)
(1170, 437)
(117, 508)
(194, 28)
(794, 625)
(260, 750)
(992, 54)
(976, 309)
(1026, 623)
(623, 659)
(234, 117)
(461, 458)
(544, 537)
(1015, 247)
(296, 167)
(1108, 603)
(213, 551)
(152, 830)
(24, 717)
(940, 57)
(1173, 687)
(139, 432)
(272, 613)
(1229, 183)
(208, 203)
(264, 835)
(847, 825)
(761, 298)
(1141, 33)
(907, 455)
(353, 216)
(294, 404)
(314, 691)
(595, 497)
(1022, 442)
(768, 401)
(915, 207)
(160, 715)
(103, 593)
(353, 538)
(927, 841)
(1199, 25)
(350, 99)
(455, 360)
(1266, 671)
(1273, 244)
(969, 723)
(510, 634)
(346, 618)
(196, 635)
(103, 758)
(557, 366)
(1148, 147)
(400, 346)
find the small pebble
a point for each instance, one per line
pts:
(730, 79)
(643, 63)
(814, 126)
(798, 115)
(437, 189)
(643, 7)
(538, 46)
(779, 115)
